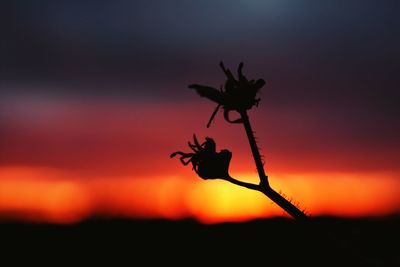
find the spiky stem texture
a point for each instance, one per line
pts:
(264, 186)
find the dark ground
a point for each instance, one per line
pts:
(272, 242)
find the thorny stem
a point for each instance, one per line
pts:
(264, 186)
(285, 204)
(254, 149)
(273, 195)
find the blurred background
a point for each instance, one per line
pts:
(94, 98)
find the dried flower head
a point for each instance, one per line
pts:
(235, 95)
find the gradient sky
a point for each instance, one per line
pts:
(94, 98)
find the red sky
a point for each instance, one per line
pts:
(94, 98)
(64, 160)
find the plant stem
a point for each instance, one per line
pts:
(254, 149)
(273, 195)
(285, 204)
(264, 187)
(241, 183)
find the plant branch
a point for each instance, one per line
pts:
(285, 204)
(254, 149)
(278, 199)
(241, 183)
(264, 187)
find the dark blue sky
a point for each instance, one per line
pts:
(303, 47)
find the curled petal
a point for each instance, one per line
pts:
(228, 119)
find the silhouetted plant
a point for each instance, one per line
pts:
(206, 161)
(237, 95)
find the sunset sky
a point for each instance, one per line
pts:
(94, 98)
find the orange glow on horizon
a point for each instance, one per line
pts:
(43, 200)
(343, 194)
(49, 195)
